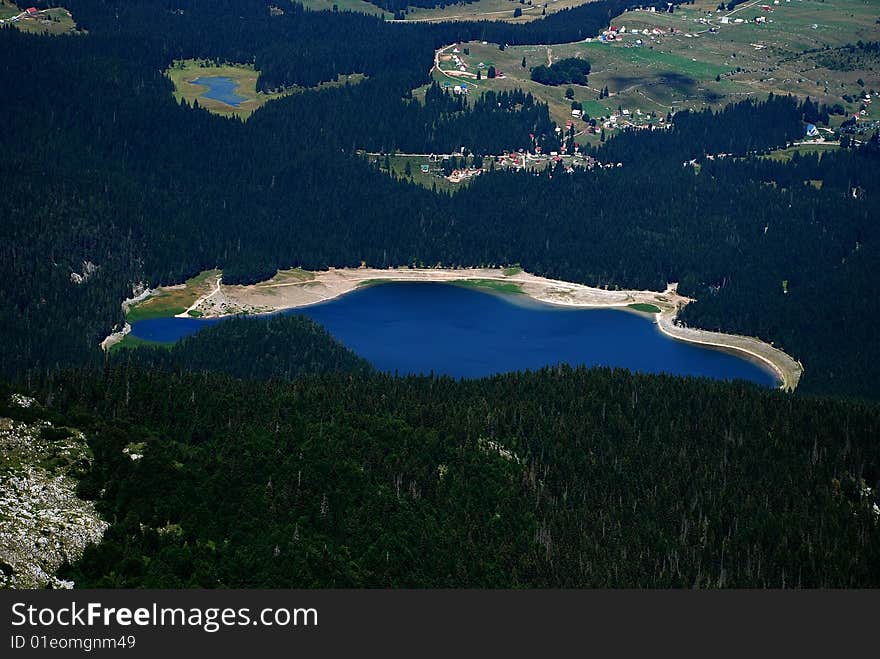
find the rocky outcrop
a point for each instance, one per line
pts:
(42, 521)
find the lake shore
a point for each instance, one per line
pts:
(291, 289)
(787, 369)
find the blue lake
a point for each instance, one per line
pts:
(221, 88)
(421, 327)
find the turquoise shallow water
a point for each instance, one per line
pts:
(423, 328)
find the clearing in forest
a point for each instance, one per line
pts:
(697, 57)
(194, 79)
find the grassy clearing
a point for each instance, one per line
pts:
(183, 72)
(171, 301)
(495, 10)
(512, 270)
(784, 155)
(493, 285)
(56, 20)
(509, 62)
(639, 79)
(291, 276)
(645, 307)
(760, 58)
(431, 179)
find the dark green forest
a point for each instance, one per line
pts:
(586, 478)
(276, 457)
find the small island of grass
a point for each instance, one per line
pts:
(645, 307)
(372, 282)
(490, 284)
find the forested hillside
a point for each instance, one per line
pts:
(557, 478)
(281, 347)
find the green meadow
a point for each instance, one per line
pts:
(183, 72)
(493, 285)
(695, 61)
(170, 301)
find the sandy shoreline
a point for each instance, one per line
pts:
(296, 288)
(787, 369)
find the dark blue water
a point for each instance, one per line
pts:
(221, 88)
(419, 328)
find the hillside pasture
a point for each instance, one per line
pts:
(696, 57)
(491, 10)
(346, 5)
